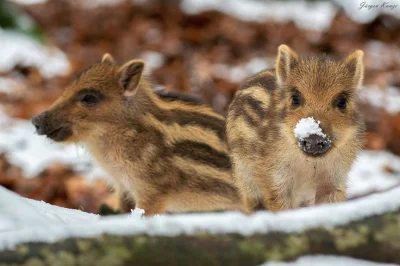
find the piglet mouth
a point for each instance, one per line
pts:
(60, 134)
(58, 131)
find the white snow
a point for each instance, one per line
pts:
(388, 99)
(17, 49)
(29, 2)
(83, 3)
(321, 260)
(18, 226)
(97, 3)
(314, 16)
(18, 212)
(368, 173)
(33, 153)
(9, 86)
(238, 73)
(366, 14)
(13, 88)
(306, 127)
(137, 213)
(380, 55)
(153, 60)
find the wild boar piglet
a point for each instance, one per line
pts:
(165, 153)
(294, 131)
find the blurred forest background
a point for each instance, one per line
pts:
(204, 48)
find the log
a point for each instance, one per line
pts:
(375, 238)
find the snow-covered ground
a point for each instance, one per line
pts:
(387, 99)
(319, 260)
(18, 212)
(17, 49)
(314, 16)
(33, 152)
(238, 73)
(24, 220)
(373, 171)
(317, 15)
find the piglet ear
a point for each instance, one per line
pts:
(107, 58)
(286, 60)
(130, 75)
(355, 65)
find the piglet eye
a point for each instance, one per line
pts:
(342, 103)
(295, 100)
(89, 100)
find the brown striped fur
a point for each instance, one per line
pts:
(166, 154)
(268, 166)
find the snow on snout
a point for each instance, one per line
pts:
(306, 127)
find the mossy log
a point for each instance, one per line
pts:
(376, 238)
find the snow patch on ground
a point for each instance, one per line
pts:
(98, 3)
(29, 2)
(17, 212)
(17, 49)
(388, 99)
(8, 86)
(60, 214)
(370, 172)
(33, 153)
(238, 73)
(137, 213)
(82, 3)
(22, 220)
(365, 15)
(315, 16)
(319, 260)
(306, 127)
(380, 55)
(153, 61)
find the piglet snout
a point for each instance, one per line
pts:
(315, 144)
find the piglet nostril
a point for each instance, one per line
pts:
(36, 121)
(315, 144)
